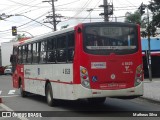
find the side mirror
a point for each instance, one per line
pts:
(12, 58)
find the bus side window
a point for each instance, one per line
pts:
(19, 55)
(29, 54)
(35, 52)
(71, 46)
(24, 53)
(51, 52)
(61, 49)
(43, 51)
(15, 50)
(13, 57)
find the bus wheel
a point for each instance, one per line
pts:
(22, 92)
(96, 100)
(49, 95)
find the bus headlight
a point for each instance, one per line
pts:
(138, 75)
(84, 77)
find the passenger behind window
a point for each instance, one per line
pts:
(94, 39)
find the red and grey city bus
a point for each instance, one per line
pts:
(90, 60)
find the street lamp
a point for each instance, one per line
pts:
(90, 10)
(3, 16)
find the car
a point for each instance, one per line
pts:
(2, 70)
(8, 70)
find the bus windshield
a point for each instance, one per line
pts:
(110, 39)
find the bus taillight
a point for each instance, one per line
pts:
(139, 75)
(84, 77)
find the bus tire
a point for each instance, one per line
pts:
(96, 100)
(22, 92)
(49, 96)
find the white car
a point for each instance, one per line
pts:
(8, 70)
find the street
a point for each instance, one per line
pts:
(15, 102)
(72, 54)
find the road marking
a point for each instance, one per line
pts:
(9, 96)
(9, 109)
(11, 92)
(5, 107)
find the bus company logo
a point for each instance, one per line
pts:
(20, 115)
(6, 114)
(113, 76)
(127, 68)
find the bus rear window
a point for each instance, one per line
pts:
(109, 39)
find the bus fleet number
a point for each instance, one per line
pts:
(66, 71)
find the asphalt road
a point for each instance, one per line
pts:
(67, 109)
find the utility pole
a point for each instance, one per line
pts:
(149, 48)
(105, 3)
(90, 10)
(54, 22)
(54, 18)
(108, 10)
(142, 11)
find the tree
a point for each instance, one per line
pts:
(154, 6)
(65, 26)
(19, 37)
(135, 18)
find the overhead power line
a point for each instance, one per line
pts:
(92, 10)
(32, 20)
(22, 4)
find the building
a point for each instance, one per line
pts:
(6, 51)
(155, 55)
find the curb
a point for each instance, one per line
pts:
(150, 99)
(0, 100)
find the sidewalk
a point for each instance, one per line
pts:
(152, 89)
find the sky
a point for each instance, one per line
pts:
(24, 13)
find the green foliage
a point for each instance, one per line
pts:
(134, 18)
(65, 26)
(19, 36)
(150, 26)
(154, 6)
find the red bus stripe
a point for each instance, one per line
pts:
(58, 81)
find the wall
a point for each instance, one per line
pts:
(0, 57)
